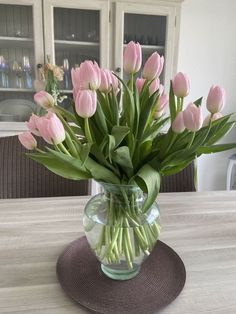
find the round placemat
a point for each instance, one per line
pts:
(161, 279)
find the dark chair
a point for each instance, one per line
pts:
(22, 177)
(180, 182)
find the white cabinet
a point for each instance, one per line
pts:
(69, 32)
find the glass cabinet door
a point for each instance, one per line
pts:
(150, 26)
(19, 54)
(76, 31)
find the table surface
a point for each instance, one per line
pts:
(201, 227)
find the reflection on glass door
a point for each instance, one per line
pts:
(76, 39)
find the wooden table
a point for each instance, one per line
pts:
(201, 227)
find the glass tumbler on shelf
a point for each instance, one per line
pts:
(18, 75)
(4, 73)
(27, 72)
(66, 69)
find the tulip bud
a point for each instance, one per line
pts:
(193, 117)
(27, 140)
(181, 85)
(44, 99)
(132, 57)
(88, 76)
(163, 102)
(139, 84)
(86, 103)
(51, 128)
(178, 123)
(209, 118)
(216, 99)
(106, 82)
(32, 126)
(114, 82)
(154, 86)
(153, 66)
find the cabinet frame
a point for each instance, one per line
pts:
(171, 44)
(102, 6)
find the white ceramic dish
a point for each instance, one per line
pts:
(16, 109)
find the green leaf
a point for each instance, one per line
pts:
(122, 157)
(220, 133)
(111, 145)
(172, 104)
(100, 172)
(215, 148)
(128, 104)
(100, 118)
(64, 166)
(148, 179)
(119, 133)
(147, 113)
(84, 152)
(198, 102)
(176, 169)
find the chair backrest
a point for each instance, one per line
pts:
(22, 177)
(180, 182)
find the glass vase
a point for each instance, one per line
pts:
(119, 232)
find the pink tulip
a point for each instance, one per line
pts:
(209, 118)
(163, 102)
(181, 85)
(32, 126)
(87, 76)
(139, 84)
(161, 89)
(178, 123)
(132, 57)
(44, 99)
(51, 128)
(86, 103)
(114, 82)
(153, 66)
(106, 81)
(216, 99)
(154, 86)
(27, 140)
(193, 117)
(161, 106)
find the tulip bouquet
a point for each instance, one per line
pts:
(115, 135)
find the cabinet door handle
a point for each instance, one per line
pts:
(118, 70)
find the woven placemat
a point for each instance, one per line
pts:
(161, 279)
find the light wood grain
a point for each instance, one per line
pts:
(201, 227)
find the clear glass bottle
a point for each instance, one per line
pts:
(118, 231)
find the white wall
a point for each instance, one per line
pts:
(208, 55)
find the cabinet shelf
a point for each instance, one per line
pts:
(150, 47)
(17, 90)
(14, 42)
(67, 44)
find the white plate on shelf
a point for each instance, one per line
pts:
(16, 109)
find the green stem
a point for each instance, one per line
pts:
(39, 150)
(191, 140)
(87, 131)
(63, 149)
